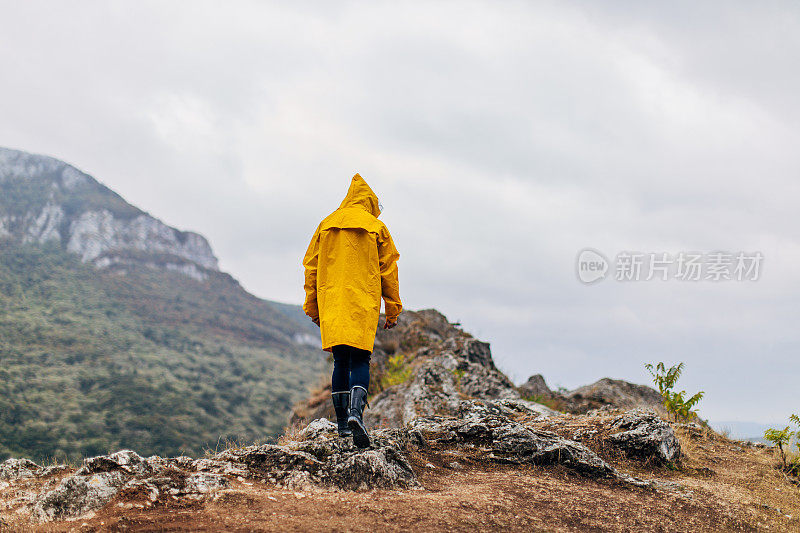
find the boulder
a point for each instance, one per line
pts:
(459, 368)
(320, 457)
(101, 478)
(645, 435)
(77, 495)
(482, 433)
(18, 468)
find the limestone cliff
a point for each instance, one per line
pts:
(46, 200)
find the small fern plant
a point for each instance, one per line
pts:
(780, 438)
(676, 402)
(783, 438)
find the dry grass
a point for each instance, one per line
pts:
(226, 444)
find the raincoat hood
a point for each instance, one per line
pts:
(360, 195)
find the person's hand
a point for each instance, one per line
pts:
(315, 321)
(389, 324)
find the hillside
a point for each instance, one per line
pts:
(119, 331)
(461, 450)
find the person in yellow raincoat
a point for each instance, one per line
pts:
(350, 264)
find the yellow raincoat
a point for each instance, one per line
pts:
(350, 263)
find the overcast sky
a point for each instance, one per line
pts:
(501, 137)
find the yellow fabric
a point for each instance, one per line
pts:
(350, 263)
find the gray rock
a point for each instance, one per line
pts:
(512, 408)
(18, 468)
(77, 495)
(201, 483)
(459, 368)
(46, 226)
(179, 484)
(502, 440)
(93, 485)
(317, 428)
(385, 467)
(267, 461)
(322, 458)
(645, 435)
(101, 478)
(126, 461)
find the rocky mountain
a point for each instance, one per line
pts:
(456, 447)
(46, 200)
(117, 330)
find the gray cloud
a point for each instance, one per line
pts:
(501, 137)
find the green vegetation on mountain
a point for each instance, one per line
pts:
(97, 360)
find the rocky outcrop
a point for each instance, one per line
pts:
(640, 435)
(18, 468)
(645, 435)
(46, 200)
(495, 437)
(15, 469)
(480, 433)
(102, 478)
(46, 226)
(425, 365)
(439, 378)
(318, 456)
(428, 366)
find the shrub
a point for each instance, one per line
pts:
(781, 439)
(676, 403)
(397, 371)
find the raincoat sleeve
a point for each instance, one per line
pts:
(310, 263)
(390, 286)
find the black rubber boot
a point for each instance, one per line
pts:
(358, 399)
(341, 403)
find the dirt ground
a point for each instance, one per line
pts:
(733, 488)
